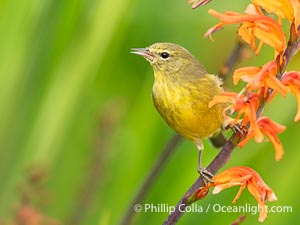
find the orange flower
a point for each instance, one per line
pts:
(201, 193)
(268, 128)
(288, 9)
(296, 7)
(282, 8)
(292, 80)
(246, 104)
(245, 177)
(264, 28)
(261, 78)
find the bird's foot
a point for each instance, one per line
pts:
(206, 175)
(239, 129)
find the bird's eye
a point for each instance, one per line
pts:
(165, 55)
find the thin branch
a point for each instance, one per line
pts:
(234, 57)
(292, 47)
(218, 162)
(239, 220)
(149, 180)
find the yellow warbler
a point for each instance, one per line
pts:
(181, 92)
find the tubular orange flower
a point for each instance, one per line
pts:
(270, 129)
(282, 8)
(201, 193)
(288, 9)
(245, 177)
(246, 104)
(260, 78)
(264, 28)
(292, 80)
(296, 7)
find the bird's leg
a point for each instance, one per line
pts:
(206, 175)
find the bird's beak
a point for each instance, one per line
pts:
(143, 52)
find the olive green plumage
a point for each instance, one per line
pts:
(181, 93)
(182, 90)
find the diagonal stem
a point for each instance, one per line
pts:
(234, 57)
(218, 162)
(149, 180)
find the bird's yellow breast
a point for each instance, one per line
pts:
(184, 105)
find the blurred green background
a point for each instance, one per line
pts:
(78, 129)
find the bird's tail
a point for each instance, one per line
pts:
(218, 140)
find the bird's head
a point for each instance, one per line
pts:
(170, 59)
